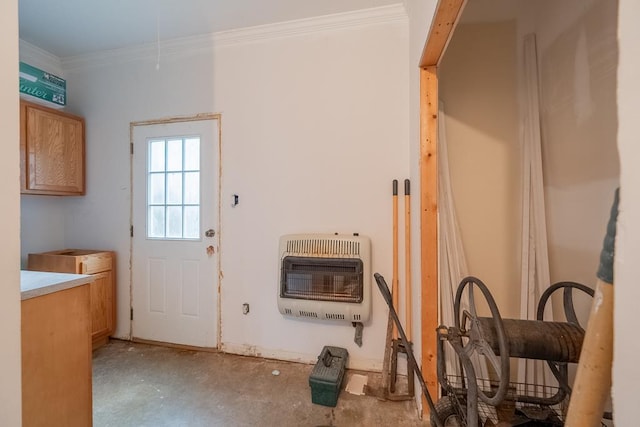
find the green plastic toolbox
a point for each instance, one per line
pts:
(326, 377)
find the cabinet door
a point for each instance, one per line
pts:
(56, 359)
(54, 152)
(102, 305)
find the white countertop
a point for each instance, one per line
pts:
(37, 283)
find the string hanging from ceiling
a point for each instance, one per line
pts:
(157, 41)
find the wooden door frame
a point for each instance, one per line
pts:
(444, 22)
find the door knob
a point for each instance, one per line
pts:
(210, 233)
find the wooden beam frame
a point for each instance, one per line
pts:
(429, 222)
(444, 22)
(447, 15)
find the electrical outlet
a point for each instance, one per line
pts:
(245, 308)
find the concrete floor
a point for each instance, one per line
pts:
(143, 385)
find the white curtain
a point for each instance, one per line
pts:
(453, 263)
(535, 259)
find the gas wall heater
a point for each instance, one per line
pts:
(325, 276)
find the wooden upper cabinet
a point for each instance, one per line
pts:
(51, 151)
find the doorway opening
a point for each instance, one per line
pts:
(175, 231)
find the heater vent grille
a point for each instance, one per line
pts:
(334, 316)
(324, 247)
(308, 313)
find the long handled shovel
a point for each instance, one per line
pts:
(390, 328)
(397, 345)
(394, 279)
(407, 257)
(407, 276)
(384, 289)
(384, 392)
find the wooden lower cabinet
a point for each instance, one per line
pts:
(100, 264)
(56, 359)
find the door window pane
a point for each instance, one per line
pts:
(156, 221)
(192, 188)
(156, 156)
(192, 154)
(191, 222)
(156, 188)
(174, 222)
(173, 188)
(174, 155)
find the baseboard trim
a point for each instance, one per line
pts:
(172, 345)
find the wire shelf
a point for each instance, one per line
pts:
(512, 408)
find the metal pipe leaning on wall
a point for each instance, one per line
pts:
(592, 385)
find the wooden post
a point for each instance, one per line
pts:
(429, 223)
(444, 22)
(447, 15)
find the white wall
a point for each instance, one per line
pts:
(10, 390)
(478, 86)
(42, 217)
(577, 55)
(314, 128)
(626, 370)
(41, 225)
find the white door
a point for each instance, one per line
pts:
(175, 240)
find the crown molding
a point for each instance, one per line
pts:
(146, 52)
(40, 57)
(358, 18)
(207, 42)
